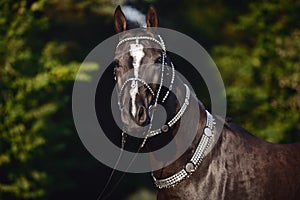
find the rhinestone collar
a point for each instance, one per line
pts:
(196, 159)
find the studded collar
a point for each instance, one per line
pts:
(196, 159)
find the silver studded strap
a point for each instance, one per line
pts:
(161, 42)
(179, 114)
(196, 159)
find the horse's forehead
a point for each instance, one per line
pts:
(151, 50)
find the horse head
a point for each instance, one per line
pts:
(141, 69)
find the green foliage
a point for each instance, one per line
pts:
(143, 194)
(36, 77)
(19, 127)
(261, 70)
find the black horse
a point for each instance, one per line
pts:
(238, 165)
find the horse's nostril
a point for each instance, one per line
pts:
(141, 112)
(141, 116)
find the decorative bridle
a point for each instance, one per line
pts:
(136, 51)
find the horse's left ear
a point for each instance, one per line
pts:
(151, 18)
(119, 20)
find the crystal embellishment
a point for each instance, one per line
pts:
(189, 167)
(194, 162)
(207, 132)
(165, 128)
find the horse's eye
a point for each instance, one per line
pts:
(115, 74)
(158, 60)
(116, 63)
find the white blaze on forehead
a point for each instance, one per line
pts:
(137, 53)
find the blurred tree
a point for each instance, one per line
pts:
(261, 70)
(142, 194)
(39, 60)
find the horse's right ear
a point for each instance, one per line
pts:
(151, 18)
(119, 20)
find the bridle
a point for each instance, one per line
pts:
(134, 48)
(136, 51)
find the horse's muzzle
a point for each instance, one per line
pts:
(139, 122)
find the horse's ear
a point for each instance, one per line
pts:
(151, 18)
(119, 20)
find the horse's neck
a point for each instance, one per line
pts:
(190, 129)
